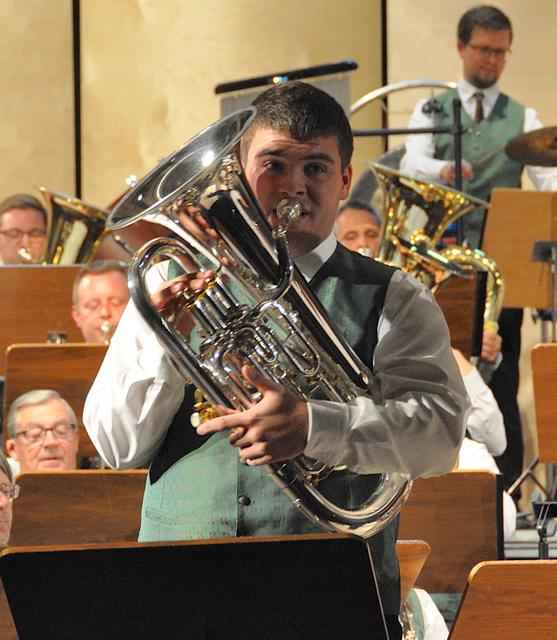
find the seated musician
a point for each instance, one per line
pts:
(22, 229)
(298, 146)
(358, 228)
(42, 432)
(8, 493)
(100, 294)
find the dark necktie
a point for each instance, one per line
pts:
(479, 96)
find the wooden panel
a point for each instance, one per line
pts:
(98, 506)
(459, 515)
(544, 370)
(37, 300)
(7, 626)
(67, 368)
(412, 555)
(509, 241)
(513, 600)
(457, 298)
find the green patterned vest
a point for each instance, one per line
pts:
(505, 122)
(197, 489)
(412, 618)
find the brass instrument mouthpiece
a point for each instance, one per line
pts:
(107, 331)
(288, 210)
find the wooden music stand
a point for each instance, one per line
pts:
(7, 626)
(544, 376)
(544, 372)
(513, 600)
(462, 300)
(515, 220)
(460, 515)
(312, 587)
(69, 369)
(37, 301)
(97, 506)
(412, 555)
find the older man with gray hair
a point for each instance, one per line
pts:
(42, 432)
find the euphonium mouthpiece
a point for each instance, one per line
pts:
(288, 211)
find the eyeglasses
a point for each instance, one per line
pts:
(487, 52)
(17, 234)
(62, 431)
(11, 491)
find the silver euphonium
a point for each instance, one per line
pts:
(257, 310)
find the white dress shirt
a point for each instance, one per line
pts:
(485, 421)
(435, 627)
(412, 420)
(419, 162)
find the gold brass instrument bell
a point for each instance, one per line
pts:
(416, 215)
(75, 230)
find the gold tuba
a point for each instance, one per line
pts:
(75, 229)
(416, 214)
(258, 310)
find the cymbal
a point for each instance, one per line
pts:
(537, 147)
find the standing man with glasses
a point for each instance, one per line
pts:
(8, 493)
(22, 229)
(490, 119)
(42, 432)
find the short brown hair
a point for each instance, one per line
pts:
(23, 201)
(484, 16)
(97, 268)
(304, 112)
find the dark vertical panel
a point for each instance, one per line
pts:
(77, 95)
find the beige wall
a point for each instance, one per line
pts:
(36, 84)
(150, 68)
(422, 44)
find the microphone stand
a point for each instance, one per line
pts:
(456, 130)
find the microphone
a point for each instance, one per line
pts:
(431, 106)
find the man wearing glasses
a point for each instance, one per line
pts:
(491, 119)
(22, 230)
(42, 432)
(8, 493)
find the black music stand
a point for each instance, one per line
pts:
(311, 587)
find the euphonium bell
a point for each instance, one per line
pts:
(258, 310)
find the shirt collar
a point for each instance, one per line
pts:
(467, 91)
(310, 263)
